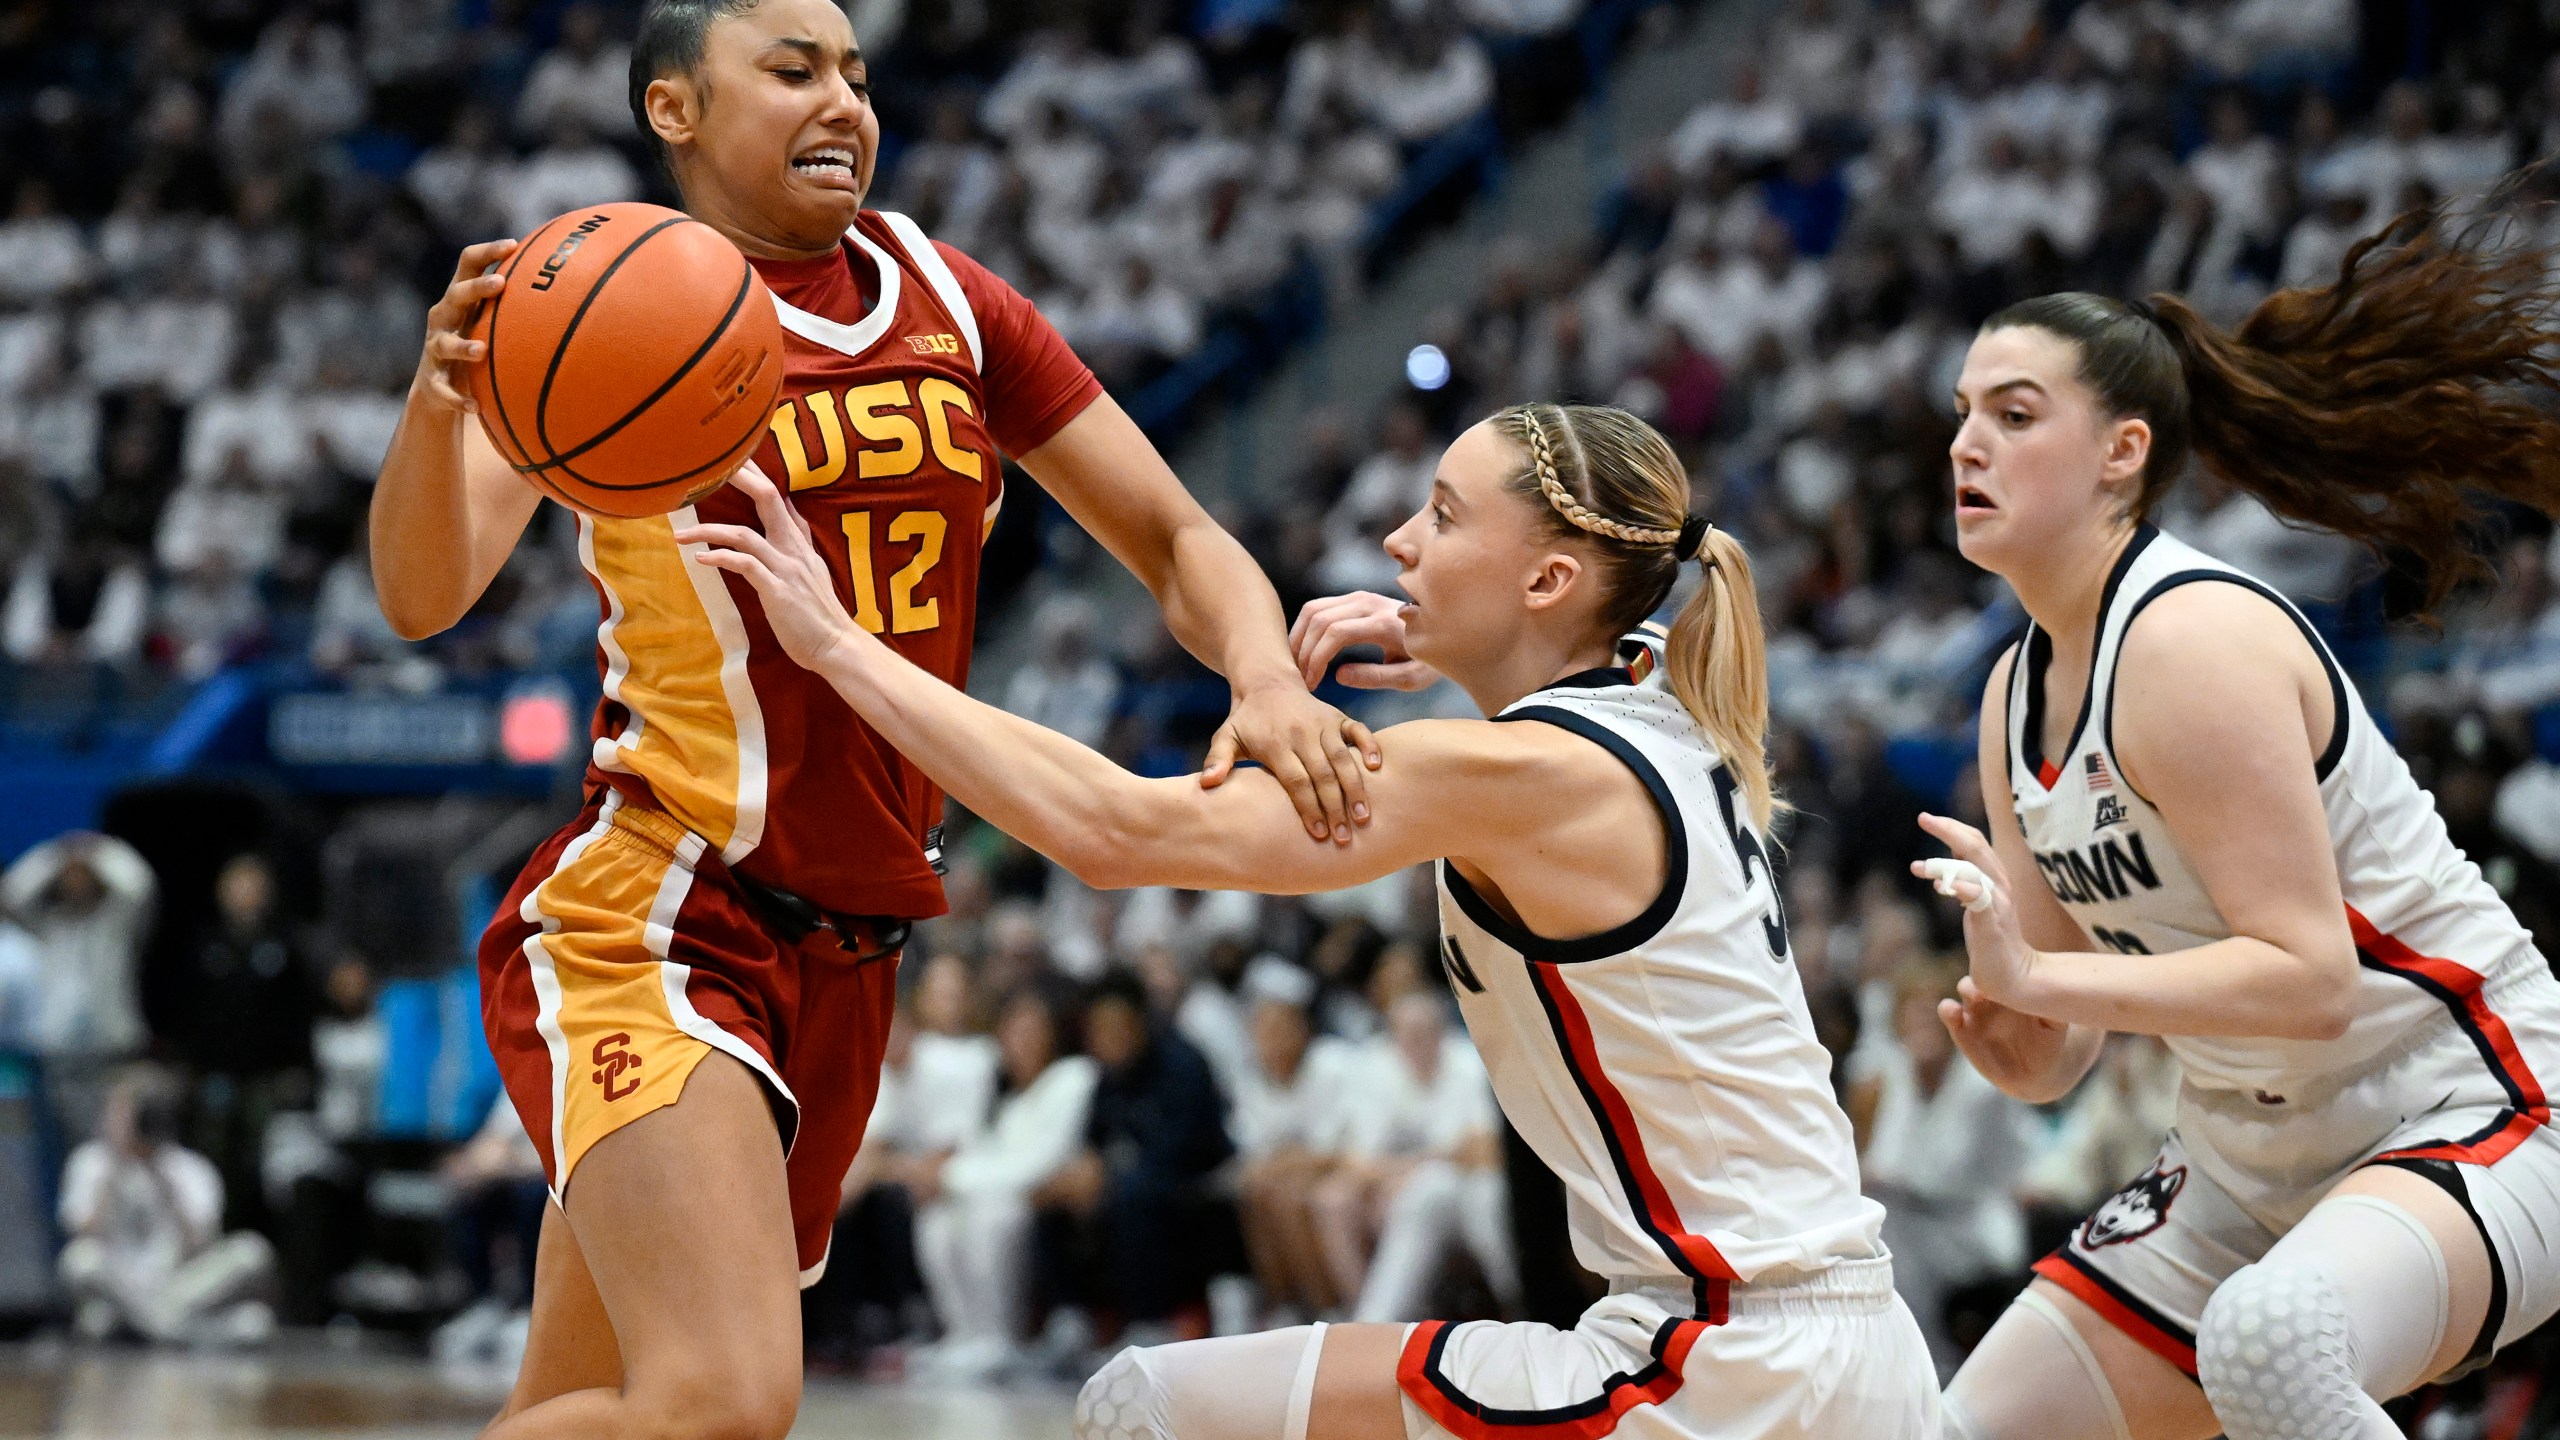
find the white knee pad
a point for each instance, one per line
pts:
(2347, 1308)
(2275, 1359)
(1239, 1387)
(1123, 1401)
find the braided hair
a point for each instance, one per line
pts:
(1605, 478)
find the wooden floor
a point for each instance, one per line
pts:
(315, 1391)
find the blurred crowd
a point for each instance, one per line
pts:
(221, 223)
(1157, 1113)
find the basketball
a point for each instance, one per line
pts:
(633, 357)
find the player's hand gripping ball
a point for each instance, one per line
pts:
(633, 359)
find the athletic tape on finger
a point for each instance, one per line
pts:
(1945, 871)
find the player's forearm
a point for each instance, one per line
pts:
(2238, 987)
(441, 528)
(1050, 792)
(1221, 607)
(2080, 1048)
(421, 525)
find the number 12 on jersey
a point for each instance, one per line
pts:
(907, 615)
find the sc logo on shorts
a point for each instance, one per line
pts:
(612, 1058)
(2136, 1210)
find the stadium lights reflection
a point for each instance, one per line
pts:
(1426, 367)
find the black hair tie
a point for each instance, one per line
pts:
(2143, 309)
(1693, 533)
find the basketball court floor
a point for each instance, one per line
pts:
(313, 1392)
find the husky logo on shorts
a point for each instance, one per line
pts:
(611, 1060)
(2136, 1210)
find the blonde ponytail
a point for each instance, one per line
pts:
(1607, 477)
(1717, 662)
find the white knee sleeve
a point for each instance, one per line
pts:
(2349, 1306)
(2032, 1378)
(1235, 1387)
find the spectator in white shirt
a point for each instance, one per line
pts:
(54, 426)
(138, 242)
(2237, 169)
(2284, 37)
(1815, 52)
(1522, 17)
(369, 322)
(21, 986)
(2320, 240)
(1392, 483)
(144, 1216)
(87, 607)
(1990, 207)
(937, 1089)
(1724, 312)
(86, 900)
(1435, 77)
(585, 78)
(2473, 157)
(2382, 165)
(254, 413)
(230, 520)
(175, 336)
(209, 616)
(2067, 106)
(465, 183)
(1213, 1011)
(947, 1086)
(574, 169)
(1067, 685)
(303, 77)
(1943, 1150)
(1749, 124)
(1292, 1104)
(1426, 1119)
(973, 1230)
(42, 253)
(1134, 322)
(254, 249)
(347, 625)
(30, 343)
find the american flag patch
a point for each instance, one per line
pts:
(2100, 778)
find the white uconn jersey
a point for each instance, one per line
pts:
(2432, 935)
(1667, 1069)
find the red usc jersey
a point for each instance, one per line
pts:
(909, 370)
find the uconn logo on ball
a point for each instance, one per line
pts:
(2136, 1210)
(550, 272)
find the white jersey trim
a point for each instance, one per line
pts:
(945, 285)
(850, 340)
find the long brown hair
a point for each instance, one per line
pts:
(1601, 476)
(2383, 405)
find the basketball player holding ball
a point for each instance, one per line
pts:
(689, 987)
(2197, 832)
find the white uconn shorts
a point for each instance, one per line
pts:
(2463, 1105)
(1833, 1356)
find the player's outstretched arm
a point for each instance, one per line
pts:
(447, 508)
(1218, 603)
(1111, 828)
